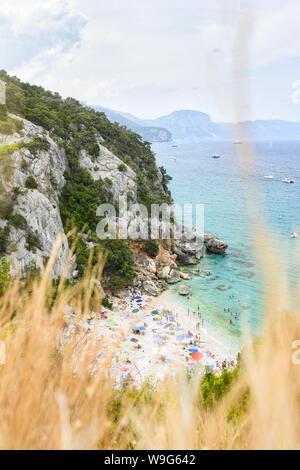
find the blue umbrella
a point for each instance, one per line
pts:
(137, 297)
(177, 329)
(188, 336)
(194, 350)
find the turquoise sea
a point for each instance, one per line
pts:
(217, 183)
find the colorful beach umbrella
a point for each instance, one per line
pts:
(197, 356)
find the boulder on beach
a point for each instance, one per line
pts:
(164, 273)
(173, 277)
(151, 288)
(184, 290)
(185, 276)
(214, 245)
(182, 257)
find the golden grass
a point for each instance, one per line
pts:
(45, 404)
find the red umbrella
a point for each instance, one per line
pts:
(197, 356)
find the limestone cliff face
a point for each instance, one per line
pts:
(107, 165)
(39, 206)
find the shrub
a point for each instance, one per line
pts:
(18, 221)
(151, 248)
(118, 266)
(4, 274)
(31, 183)
(4, 236)
(106, 303)
(121, 167)
(32, 242)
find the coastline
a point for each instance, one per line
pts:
(190, 322)
(149, 338)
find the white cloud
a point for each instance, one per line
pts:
(146, 57)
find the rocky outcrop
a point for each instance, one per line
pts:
(184, 290)
(214, 245)
(183, 258)
(31, 241)
(192, 246)
(121, 177)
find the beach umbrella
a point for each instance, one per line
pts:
(188, 336)
(156, 317)
(171, 318)
(155, 312)
(125, 345)
(194, 350)
(124, 369)
(135, 310)
(134, 340)
(197, 356)
(180, 338)
(177, 329)
(137, 297)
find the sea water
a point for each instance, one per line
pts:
(233, 284)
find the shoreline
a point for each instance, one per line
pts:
(153, 338)
(191, 322)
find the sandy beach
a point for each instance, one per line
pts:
(149, 338)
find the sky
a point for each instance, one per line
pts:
(233, 59)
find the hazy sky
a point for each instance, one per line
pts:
(150, 57)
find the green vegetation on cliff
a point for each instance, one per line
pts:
(76, 127)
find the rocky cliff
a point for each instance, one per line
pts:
(59, 160)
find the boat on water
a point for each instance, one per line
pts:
(216, 156)
(294, 235)
(269, 177)
(288, 180)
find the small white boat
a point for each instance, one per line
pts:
(294, 235)
(216, 156)
(288, 180)
(269, 177)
